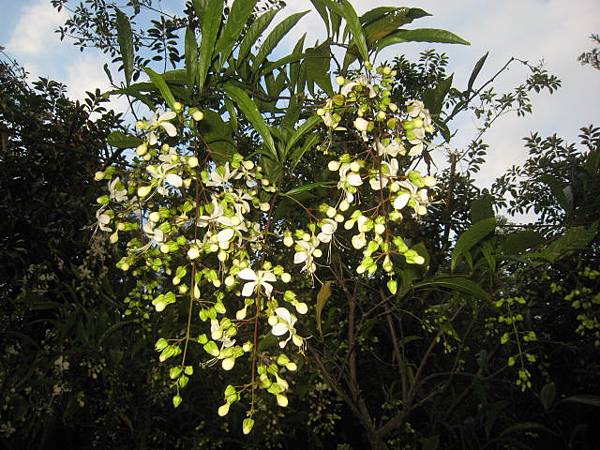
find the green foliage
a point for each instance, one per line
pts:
(289, 231)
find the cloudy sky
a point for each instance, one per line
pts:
(556, 31)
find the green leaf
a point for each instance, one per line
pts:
(250, 110)
(421, 35)
(459, 284)
(281, 62)
(322, 297)
(309, 143)
(318, 61)
(125, 40)
(476, 70)
(308, 125)
(236, 20)
(584, 399)
(218, 136)
(275, 37)
(471, 237)
(191, 57)
(481, 208)
(119, 139)
(210, 14)
(547, 395)
(434, 98)
(520, 241)
(307, 187)
(345, 10)
(254, 32)
(575, 238)
(559, 191)
(322, 10)
(389, 22)
(158, 81)
(525, 426)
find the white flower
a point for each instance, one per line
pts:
(415, 108)
(360, 81)
(116, 194)
(328, 228)
(361, 124)
(162, 121)
(103, 220)
(393, 149)
(306, 251)
(348, 177)
(261, 278)
(359, 241)
(282, 323)
(388, 172)
(221, 176)
(174, 180)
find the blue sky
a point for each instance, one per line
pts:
(554, 30)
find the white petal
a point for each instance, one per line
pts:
(167, 116)
(159, 236)
(354, 179)
(225, 235)
(268, 289)
(402, 200)
(268, 276)
(280, 329)
(359, 241)
(325, 238)
(300, 257)
(174, 180)
(284, 314)
(228, 363)
(247, 274)
(248, 289)
(169, 128)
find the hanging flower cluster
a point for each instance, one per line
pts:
(205, 235)
(378, 182)
(202, 226)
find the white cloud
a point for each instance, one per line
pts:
(34, 31)
(86, 75)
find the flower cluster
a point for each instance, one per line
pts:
(203, 236)
(378, 183)
(202, 226)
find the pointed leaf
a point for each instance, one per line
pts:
(390, 22)
(481, 208)
(248, 107)
(460, 284)
(584, 399)
(322, 297)
(236, 20)
(306, 187)
(275, 37)
(547, 395)
(476, 70)
(318, 61)
(345, 10)
(475, 234)
(254, 32)
(520, 241)
(209, 13)
(308, 125)
(191, 57)
(158, 81)
(125, 40)
(421, 35)
(322, 10)
(119, 139)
